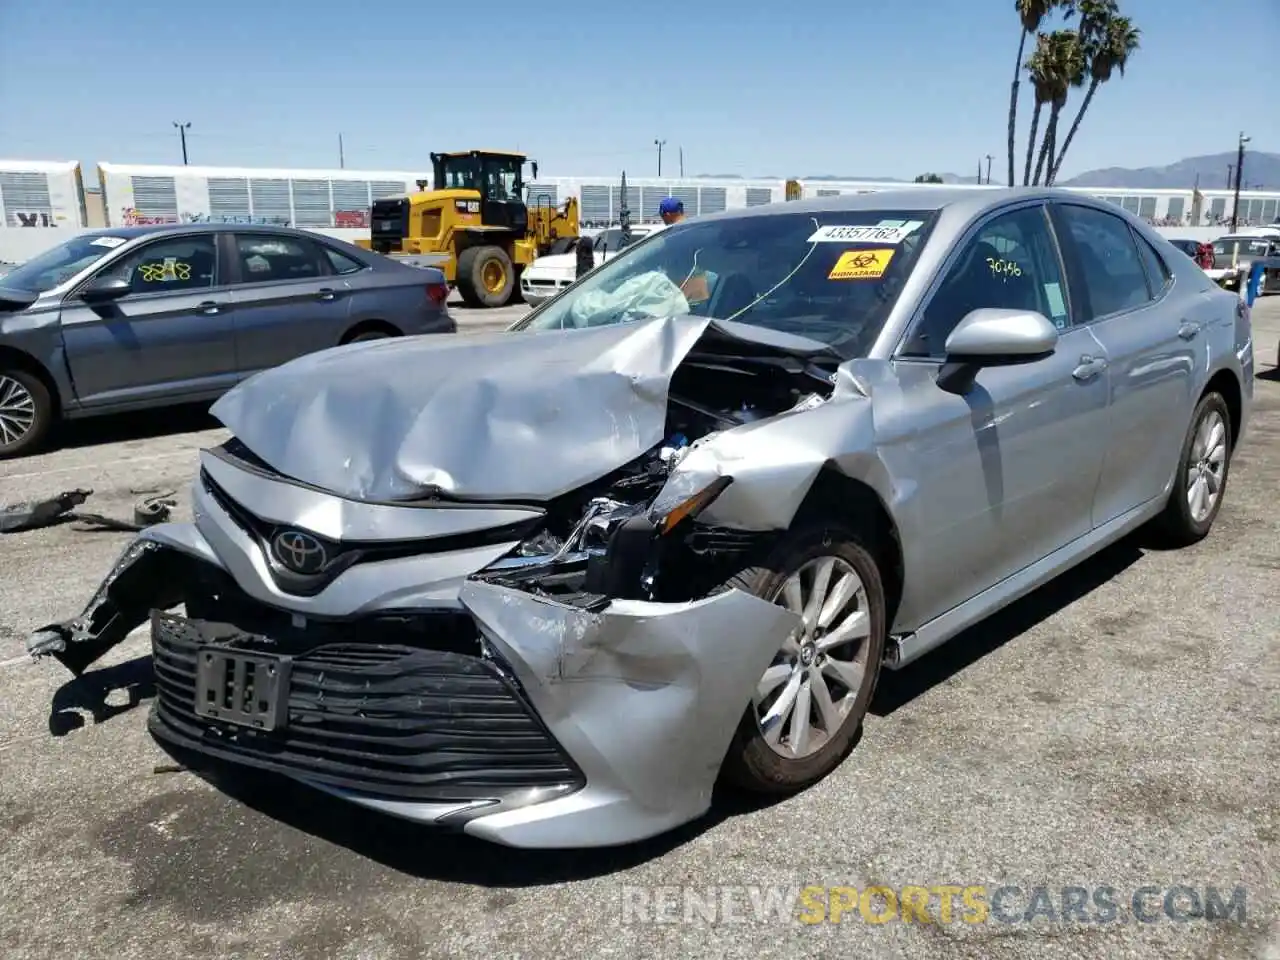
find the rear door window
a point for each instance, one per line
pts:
(341, 263)
(1105, 248)
(1158, 275)
(265, 258)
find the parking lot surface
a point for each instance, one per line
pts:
(1119, 728)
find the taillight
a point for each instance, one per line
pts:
(438, 292)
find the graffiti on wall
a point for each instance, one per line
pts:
(245, 219)
(133, 217)
(25, 219)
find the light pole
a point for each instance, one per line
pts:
(1235, 205)
(989, 168)
(182, 135)
(659, 144)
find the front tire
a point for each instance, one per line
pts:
(810, 704)
(486, 276)
(26, 412)
(1201, 479)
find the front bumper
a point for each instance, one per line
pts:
(541, 724)
(539, 288)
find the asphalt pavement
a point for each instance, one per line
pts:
(1118, 729)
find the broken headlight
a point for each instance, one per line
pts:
(685, 496)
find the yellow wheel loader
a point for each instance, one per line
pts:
(476, 224)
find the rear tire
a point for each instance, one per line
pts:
(1203, 466)
(486, 276)
(26, 412)
(792, 756)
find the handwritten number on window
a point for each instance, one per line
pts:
(1004, 268)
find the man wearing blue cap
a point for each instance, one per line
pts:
(671, 210)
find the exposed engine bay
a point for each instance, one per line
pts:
(601, 542)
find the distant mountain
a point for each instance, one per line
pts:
(826, 177)
(1261, 170)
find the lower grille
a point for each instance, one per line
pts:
(381, 719)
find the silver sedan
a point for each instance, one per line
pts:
(672, 527)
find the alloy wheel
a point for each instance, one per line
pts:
(1206, 466)
(806, 694)
(17, 411)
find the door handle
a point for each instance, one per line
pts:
(1089, 368)
(210, 308)
(327, 293)
(1188, 331)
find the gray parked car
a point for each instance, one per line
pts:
(135, 317)
(548, 585)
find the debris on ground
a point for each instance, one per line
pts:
(154, 508)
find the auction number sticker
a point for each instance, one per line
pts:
(109, 242)
(886, 231)
(861, 265)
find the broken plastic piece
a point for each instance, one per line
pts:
(34, 514)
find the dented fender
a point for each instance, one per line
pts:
(774, 462)
(645, 696)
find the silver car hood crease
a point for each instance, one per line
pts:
(500, 416)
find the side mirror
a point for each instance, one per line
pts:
(534, 166)
(993, 338)
(105, 290)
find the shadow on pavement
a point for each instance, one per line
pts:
(142, 425)
(430, 853)
(134, 678)
(897, 688)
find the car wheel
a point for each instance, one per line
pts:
(369, 335)
(1201, 480)
(810, 703)
(26, 412)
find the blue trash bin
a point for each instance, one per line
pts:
(1256, 273)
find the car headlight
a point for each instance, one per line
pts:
(684, 496)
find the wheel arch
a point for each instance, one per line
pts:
(836, 495)
(14, 358)
(1226, 383)
(370, 326)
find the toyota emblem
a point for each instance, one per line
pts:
(299, 552)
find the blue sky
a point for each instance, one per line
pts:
(856, 88)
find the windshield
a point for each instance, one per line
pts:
(59, 264)
(831, 276)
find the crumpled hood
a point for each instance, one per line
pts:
(499, 416)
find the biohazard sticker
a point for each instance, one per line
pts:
(861, 265)
(886, 231)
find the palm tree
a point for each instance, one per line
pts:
(1040, 67)
(1032, 14)
(1109, 50)
(1067, 68)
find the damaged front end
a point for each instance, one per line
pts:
(561, 672)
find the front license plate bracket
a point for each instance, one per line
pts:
(244, 689)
